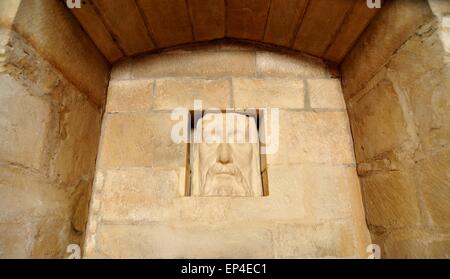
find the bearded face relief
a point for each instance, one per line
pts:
(226, 162)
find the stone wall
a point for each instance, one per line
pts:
(138, 208)
(396, 84)
(50, 125)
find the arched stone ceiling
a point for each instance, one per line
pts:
(323, 28)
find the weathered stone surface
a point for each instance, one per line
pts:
(333, 239)
(440, 249)
(33, 192)
(303, 194)
(121, 70)
(375, 130)
(272, 64)
(406, 244)
(159, 240)
(317, 138)
(81, 207)
(390, 199)
(24, 122)
(85, 67)
(325, 94)
(129, 95)
(376, 46)
(139, 207)
(140, 140)
(143, 194)
(51, 239)
(420, 71)
(77, 148)
(329, 195)
(8, 11)
(265, 93)
(17, 240)
(439, 7)
(433, 179)
(181, 93)
(196, 64)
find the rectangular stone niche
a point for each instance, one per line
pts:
(224, 155)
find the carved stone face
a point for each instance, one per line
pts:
(226, 163)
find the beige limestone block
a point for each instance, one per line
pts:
(158, 240)
(439, 249)
(325, 94)
(76, 152)
(51, 239)
(439, 7)
(129, 95)
(195, 64)
(17, 240)
(329, 190)
(140, 140)
(181, 93)
(8, 11)
(327, 240)
(138, 194)
(378, 122)
(65, 45)
(265, 93)
(25, 195)
(286, 201)
(313, 137)
(272, 64)
(375, 47)
(390, 199)
(81, 202)
(121, 70)
(300, 193)
(406, 244)
(420, 71)
(24, 122)
(433, 180)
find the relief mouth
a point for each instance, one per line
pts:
(228, 169)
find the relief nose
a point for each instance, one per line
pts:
(224, 154)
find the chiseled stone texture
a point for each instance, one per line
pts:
(24, 119)
(314, 206)
(62, 42)
(272, 64)
(181, 93)
(367, 114)
(160, 240)
(140, 140)
(433, 177)
(396, 81)
(195, 64)
(390, 199)
(325, 94)
(265, 93)
(48, 146)
(318, 137)
(129, 95)
(327, 240)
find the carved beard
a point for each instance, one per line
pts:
(225, 180)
